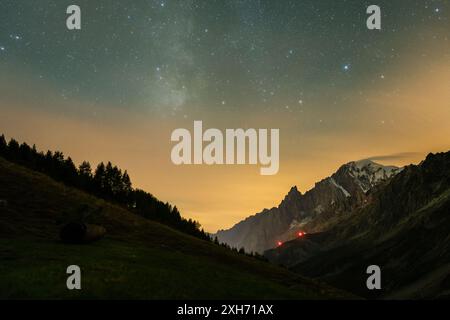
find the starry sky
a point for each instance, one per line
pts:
(137, 70)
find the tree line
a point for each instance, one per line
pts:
(107, 182)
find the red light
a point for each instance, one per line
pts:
(301, 234)
(279, 243)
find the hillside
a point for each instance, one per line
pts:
(404, 228)
(329, 200)
(138, 259)
(106, 181)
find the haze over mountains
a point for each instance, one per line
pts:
(344, 191)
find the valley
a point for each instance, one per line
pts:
(137, 259)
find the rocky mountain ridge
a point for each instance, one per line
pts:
(330, 198)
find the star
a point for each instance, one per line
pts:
(15, 36)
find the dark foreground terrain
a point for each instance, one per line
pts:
(138, 259)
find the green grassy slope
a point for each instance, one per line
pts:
(138, 259)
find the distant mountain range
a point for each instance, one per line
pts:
(341, 193)
(364, 214)
(404, 227)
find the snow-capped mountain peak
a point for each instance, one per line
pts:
(367, 173)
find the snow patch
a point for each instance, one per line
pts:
(319, 209)
(346, 193)
(295, 224)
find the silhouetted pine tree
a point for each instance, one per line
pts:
(3, 145)
(99, 179)
(85, 170)
(13, 150)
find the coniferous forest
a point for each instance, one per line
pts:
(106, 181)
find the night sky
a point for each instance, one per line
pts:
(136, 70)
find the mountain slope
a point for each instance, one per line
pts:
(313, 211)
(404, 229)
(138, 259)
